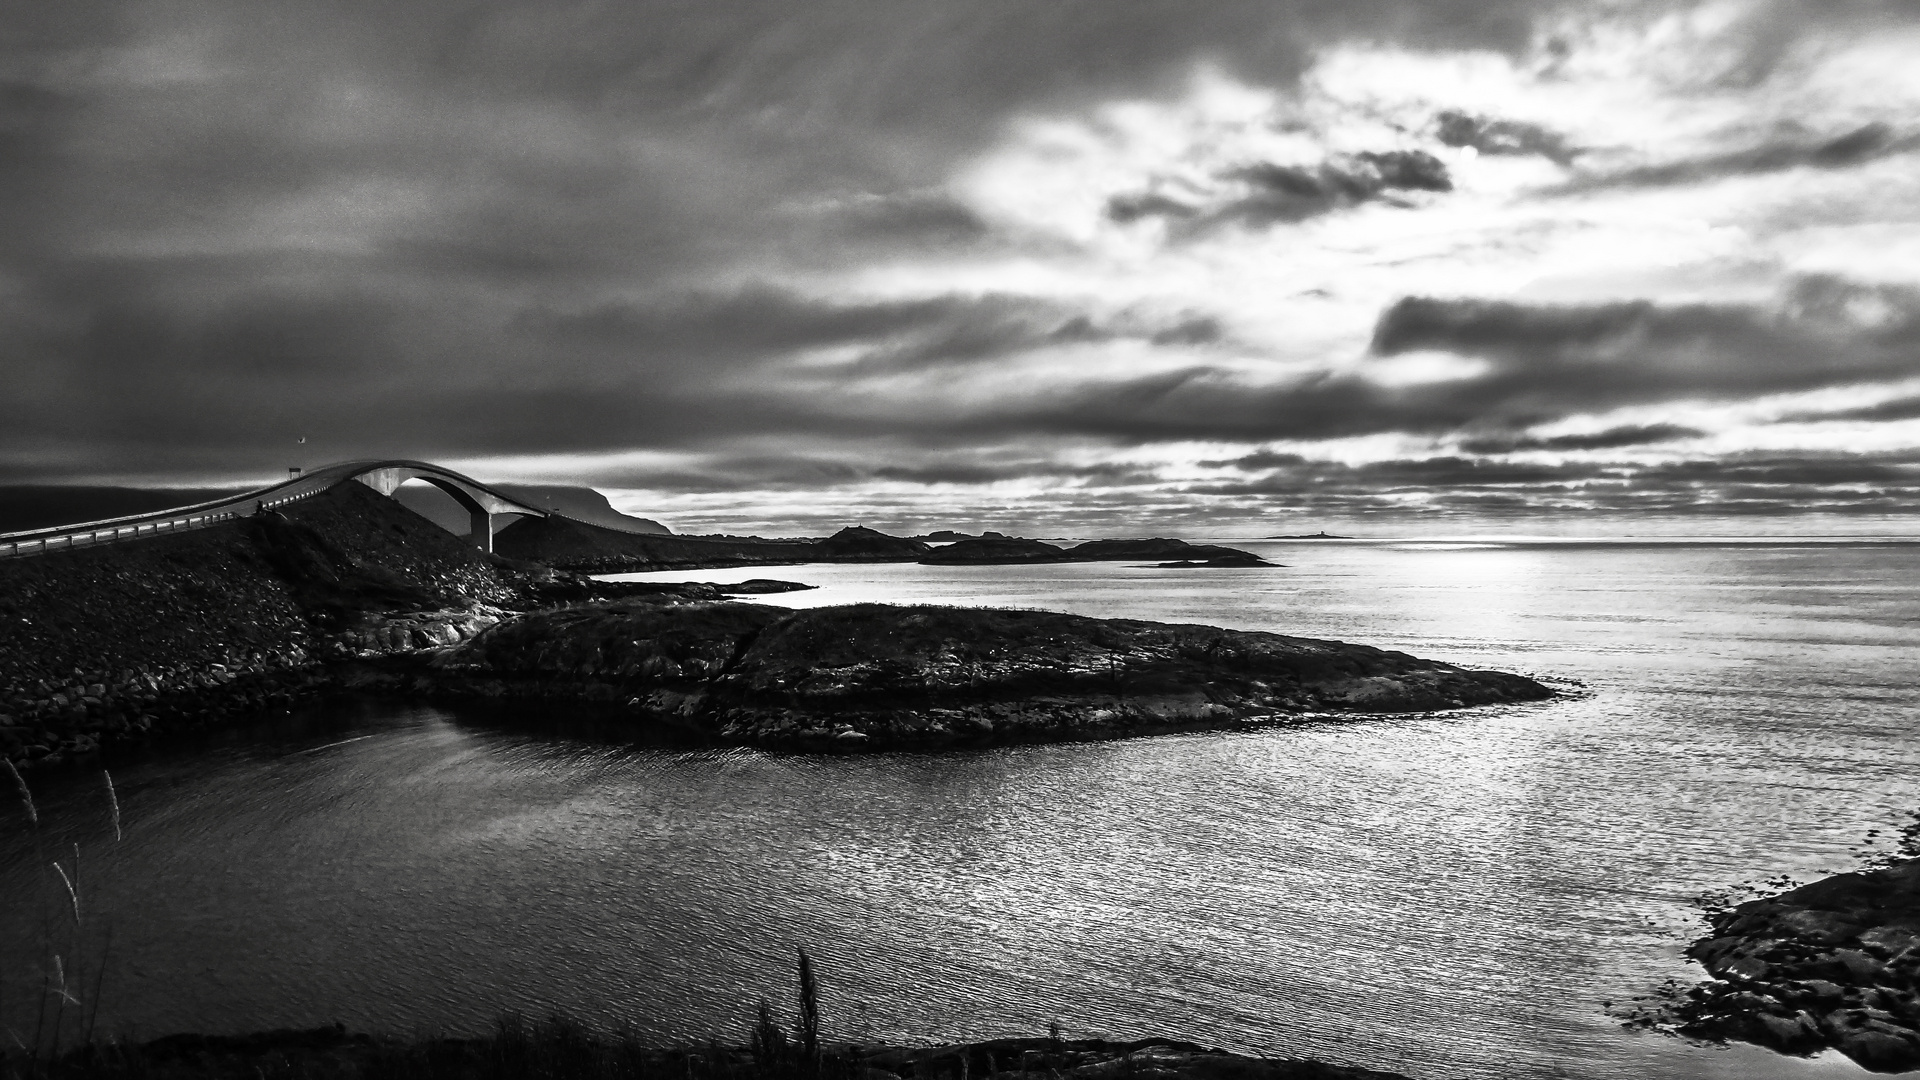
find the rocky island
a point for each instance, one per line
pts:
(872, 676)
(995, 548)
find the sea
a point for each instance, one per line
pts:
(1472, 894)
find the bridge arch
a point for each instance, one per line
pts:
(479, 501)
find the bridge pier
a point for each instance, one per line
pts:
(480, 529)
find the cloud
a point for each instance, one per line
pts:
(1906, 408)
(1610, 439)
(1640, 350)
(1866, 143)
(1266, 193)
(1747, 485)
(1503, 138)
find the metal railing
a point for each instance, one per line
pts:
(138, 526)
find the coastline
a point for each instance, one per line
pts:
(351, 591)
(1832, 964)
(557, 1047)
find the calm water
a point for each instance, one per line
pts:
(1451, 896)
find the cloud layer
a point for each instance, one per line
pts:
(1078, 266)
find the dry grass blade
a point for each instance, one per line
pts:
(26, 797)
(72, 893)
(113, 803)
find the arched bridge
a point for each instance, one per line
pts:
(384, 476)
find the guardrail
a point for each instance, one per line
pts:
(114, 530)
(201, 515)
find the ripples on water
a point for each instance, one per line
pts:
(1449, 896)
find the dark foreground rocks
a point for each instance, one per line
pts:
(178, 634)
(1834, 964)
(872, 676)
(557, 1050)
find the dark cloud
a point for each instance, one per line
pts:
(1503, 137)
(1200, 330)
(1127, 209)
(1863, 144)
(359, 372)
(1611, 439)
(1259, 459)
(1637, 349)
(835, 469)
(1271, 194)
(1905, 408)
(750, 324)
(1748, 485)
(906, 218)
(1542, 363)
(125, 372)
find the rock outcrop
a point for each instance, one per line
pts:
(856, 543)
(1173, 551)
(994, 549)
(1834, 964)
(871, 675)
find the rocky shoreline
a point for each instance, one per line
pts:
(1834, 964)
(873, 676)
(351, 591)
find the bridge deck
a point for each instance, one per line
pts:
(202, 515)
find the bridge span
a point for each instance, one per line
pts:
(384, 476)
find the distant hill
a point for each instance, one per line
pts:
(994, 548)
(40, 506)
(578, 503)
(583, 504)
(578, 546)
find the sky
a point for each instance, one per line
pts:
(1084, 267)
